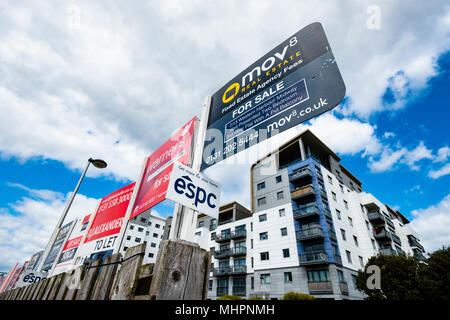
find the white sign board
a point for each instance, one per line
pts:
(194, 190)
(30, 277)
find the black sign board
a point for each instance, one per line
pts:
(293, 83)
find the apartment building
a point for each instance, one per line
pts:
(310, 229)
(145, 228)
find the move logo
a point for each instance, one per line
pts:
(184, 185)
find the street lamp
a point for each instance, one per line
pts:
(99, 163)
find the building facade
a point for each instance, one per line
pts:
(310, 229)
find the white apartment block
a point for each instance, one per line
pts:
(145, 228)
(310, 229)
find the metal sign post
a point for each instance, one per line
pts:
(184, 220)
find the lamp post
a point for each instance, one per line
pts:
(97, 163)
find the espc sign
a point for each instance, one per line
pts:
(194, 190)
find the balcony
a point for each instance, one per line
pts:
(240, 233)
(225, 253)
(418, 254)
(389, 222)
(239, 290)
(239, 269)
(299, 174)
(302, 192)
(396, 239)
(310, 233)
(221, 271)
(344, 287)
(328, 213)
(383, 235)
(376, 217)
(320, 287)
(238, 251)
(413, 242)
(223, 237)
(304, 211)
(387, 252)
(315, 257)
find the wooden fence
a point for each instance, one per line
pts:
(180, 272)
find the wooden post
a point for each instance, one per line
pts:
(102, 286)
(181, 271)
(86, 286)
(126, 279)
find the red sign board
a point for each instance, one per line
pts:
(110, 214)
(159, 165)
(73, 243)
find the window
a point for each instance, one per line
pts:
(368, 225)
(282, 212)
(280, 195)
(338, 214)
(362, 208)
(265, 278)
(140, 229)
(137, 240)
(319, 276)
(264, 256)
(278, 179)
(263, 236)
(210, 285)
(334, 196)
(286, 253)
(143, 220)
(252, 283)
(251, 243)
(213, 235)
(356, 241)
(262, 217)
(330, 180)
(147, 233)
(361, 261)
(252, 262)
(354, 280)
(288, 277)
(350, 221)
(157, 226)
(343, 234)
(261, 186)
(345, 204)
(251, 226)
(262, 201)
(283, 232)
(131, 227)
(150, 255)
(342, 188)
(153, 245)
(340, 276)
(199, 233)
(149, 223)
(155, 235)
(373, 244)
(129, 238)
(201, 224)
(349, 256)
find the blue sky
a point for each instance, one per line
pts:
(114, 80)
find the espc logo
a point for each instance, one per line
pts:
(185, 186)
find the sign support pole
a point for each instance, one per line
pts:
(184, 220)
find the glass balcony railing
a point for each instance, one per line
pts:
(309, 233)
(223, 237)
(315, 257)
(238, 251)
(382, 235)
(239, 269)
(240, 233)
(222, 253)
(306, 211)
(222, 271)
(302, 191)
(300, 173)
(387, 252)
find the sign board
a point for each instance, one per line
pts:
(67, 255)
(194, 190)
(108, 221)
(8, 278)
(57, 244)
(296, 81)
(30, 277)
(156, 175)
(35, 260)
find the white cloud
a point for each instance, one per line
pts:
(432, 225)
(28, 224)
(442, 154)
(434, 174)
